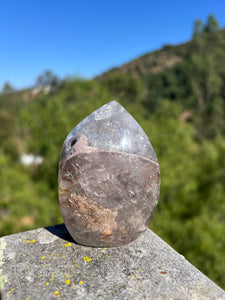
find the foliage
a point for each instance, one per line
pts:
(197, 83)
(24, 204)
(124, 87)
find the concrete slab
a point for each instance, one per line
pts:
(47, 264)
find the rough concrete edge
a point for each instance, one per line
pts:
(3, 278)
(195, 269)
(64, 233)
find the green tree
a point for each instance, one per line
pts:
(48, 79)
(212, 25)
(205, 65)
(198, 28)
(7, 88)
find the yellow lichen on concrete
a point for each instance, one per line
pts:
(67, 245)
(29, 241)
(56, 293)
(88, 259)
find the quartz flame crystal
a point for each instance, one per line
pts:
(109, 179)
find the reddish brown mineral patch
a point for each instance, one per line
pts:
(107, 233)
(92, 215)
(81, 146)
(162, 272)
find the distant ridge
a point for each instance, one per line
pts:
(153, 62)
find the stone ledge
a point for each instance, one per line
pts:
(47, 264)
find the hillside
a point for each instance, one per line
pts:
(191, 74)
(152, 62)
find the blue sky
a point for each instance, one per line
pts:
(86, 38)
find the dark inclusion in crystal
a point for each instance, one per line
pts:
(109, 179)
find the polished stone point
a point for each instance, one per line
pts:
(109, 179)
